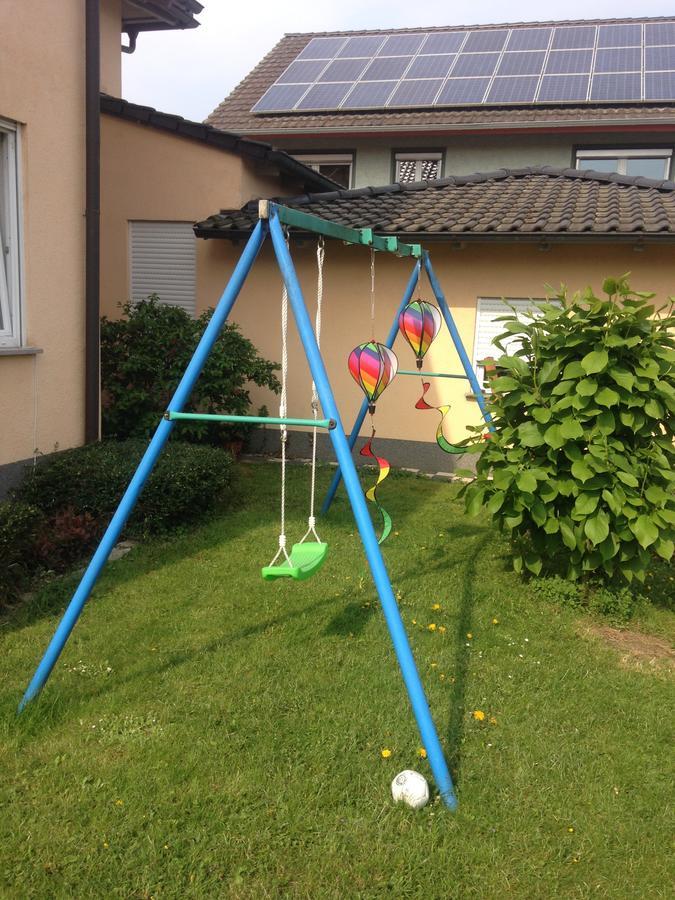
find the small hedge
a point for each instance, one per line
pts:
(61, 508)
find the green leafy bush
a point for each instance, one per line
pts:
(143, 357)
(186, 483)
(19, 524)
(579, 470)
(618, 604)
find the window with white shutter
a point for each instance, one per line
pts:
(488, 328)
(163, 262)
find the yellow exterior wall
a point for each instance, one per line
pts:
(487, 270)
(153, 175)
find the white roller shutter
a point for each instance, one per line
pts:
(487, 328)
(163, 262)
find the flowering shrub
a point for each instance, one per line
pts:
(579, 470)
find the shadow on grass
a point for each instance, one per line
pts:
(455, 733)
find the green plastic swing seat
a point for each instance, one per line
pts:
(305, 558)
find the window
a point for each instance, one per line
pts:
(10, 250)
(336, 166)
(163, 262)
(487, 328)
(417, 167)
(647, 163)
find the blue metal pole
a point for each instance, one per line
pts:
(358, 422)
(392, 615)
(457, 340)
(145, 466)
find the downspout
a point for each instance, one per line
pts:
(92, 367)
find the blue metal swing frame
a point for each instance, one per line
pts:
(270, 224)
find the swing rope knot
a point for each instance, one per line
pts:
(311, 521)
(282, 541)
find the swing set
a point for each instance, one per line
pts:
(309, 553)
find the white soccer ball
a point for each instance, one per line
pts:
(411, 788)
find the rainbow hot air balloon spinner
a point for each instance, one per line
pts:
(373, 366)
(419, 323)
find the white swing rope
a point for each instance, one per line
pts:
(311, 521)
(282, 428)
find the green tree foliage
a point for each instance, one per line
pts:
(579, 470)
(144, 355)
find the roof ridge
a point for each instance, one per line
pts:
(481, 177)
(486, 25)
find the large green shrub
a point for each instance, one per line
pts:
(144, 355)
(185, 484)
(579, 470)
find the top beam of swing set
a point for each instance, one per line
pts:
(294, 218)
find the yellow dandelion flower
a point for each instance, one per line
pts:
(478, 715)
(493, 721)
(119, 802)
(105, 844)
(469, 635)
(433, 665)
(442, 629)
(436, 606)
(432, 626)
(442, 676)
(414, 621)
(385, 753)
(571, 830)
(495, 621)
(422, 753)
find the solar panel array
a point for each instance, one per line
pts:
(536, 64)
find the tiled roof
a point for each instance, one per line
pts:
(540, 203)
(216, 137)
(235, 111)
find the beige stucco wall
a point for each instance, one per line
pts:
(476, 271)
(111, 63)
(153, 175)
(42, 82)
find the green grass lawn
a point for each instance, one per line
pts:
(206, 734)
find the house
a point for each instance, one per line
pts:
(374, 107)
(95, 195)
(520, 155)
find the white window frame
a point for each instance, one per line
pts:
(11, 250)
(623, 155)
(527, 304)
(316, 160)
(418, 159)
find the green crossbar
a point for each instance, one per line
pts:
(255, 420)
(306, 222)
(430, 374)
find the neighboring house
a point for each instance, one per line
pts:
(504, 234)
(96, 209)
(543, 112)
(373, 107)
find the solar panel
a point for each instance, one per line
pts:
(558, 88)
(343, 70)
(369, 94)
(522, 63)
(618, 86)
(463, 90)
(386, 67)
(624, 59)
(596, 63)
(659, 59)
(324, 96)
(529, 39)
(417, 92)
(436, 66)
(513, 90)
(619, 35)
(564, 62)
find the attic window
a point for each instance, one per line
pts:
(417, 167)
(634, 161)
(336, 166)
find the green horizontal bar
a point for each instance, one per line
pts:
(430, 374)
(256, 420)
(307, 222)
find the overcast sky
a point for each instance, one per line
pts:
(190, 72)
